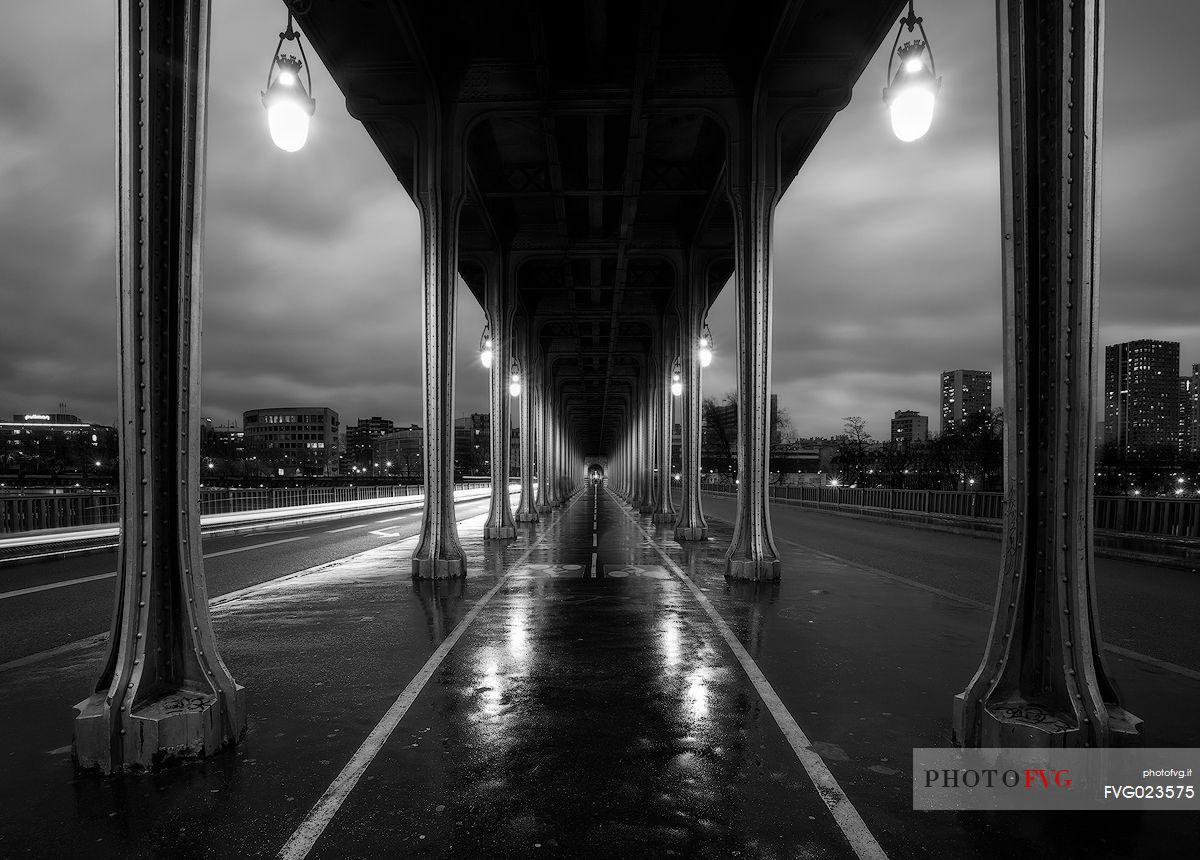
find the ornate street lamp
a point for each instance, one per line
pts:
(911, 93)
(676, 379)
(289, 105)
(704, 352)
(485, 346)
(514, 380)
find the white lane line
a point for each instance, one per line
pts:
(50, 586)
(255, 546)
(595, 570)
(323, 811)
(843, 811)
(349, 528)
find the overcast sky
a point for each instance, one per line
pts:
(887, 266)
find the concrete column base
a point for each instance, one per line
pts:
(754, 569)
(499, 532)
(438, 568)
(664, 516)
(683, 533)
(645, 509)
(526, 516)
(543, 509)
(177, 726)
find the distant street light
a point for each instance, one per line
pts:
(289, 105)
(514, 381)
(485, 346)
(705, 352)
(911, 94)
(676, 379)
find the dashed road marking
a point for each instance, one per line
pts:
(839, 805)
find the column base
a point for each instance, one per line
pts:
(755, 569)
(664, 516)
(683, 533)
(1030, 725)
(543, 509)
(645, 509)
(499, 532)
(438, 568)
(176, 727)
(526, 516)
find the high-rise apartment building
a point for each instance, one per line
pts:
(909, 426)
(964, 393)
(293, 440)
(1141, 399)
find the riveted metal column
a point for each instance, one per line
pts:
(500, 525)
(1043, 682)
(664, 511)
(542, 502)
(693, 295)
(752, 553)
(164, 693)
(439, 199)
(554, 439)
(649, 436)
(526, 510)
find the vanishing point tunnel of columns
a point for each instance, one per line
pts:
(596, 173)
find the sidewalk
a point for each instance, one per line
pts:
(591, 706)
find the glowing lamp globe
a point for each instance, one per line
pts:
(514, 385)
(676, 384)
(705, 352)
(289, 107)
(910, 97)
(485, 354)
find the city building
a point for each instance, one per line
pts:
(909, 427)
(52, 443)
(1194, 414)
(403, 449)
(1187, 417)
(1141, 399)
(472, 445)
(964, 393)
(358, 452)
(719, 433)
(292, 441)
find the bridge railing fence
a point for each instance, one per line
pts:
(33, 513)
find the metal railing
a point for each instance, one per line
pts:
(1141, 515)
(33, 513)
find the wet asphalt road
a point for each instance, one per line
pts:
(1148, 609)
(31, 623)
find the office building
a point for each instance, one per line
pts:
(293, 441)
(909, 427)
(51, 443)
(403, 448)
(1141, 399)
(964, 393)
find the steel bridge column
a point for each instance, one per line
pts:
(439, 200)
(542, 503)
(665, 510)
(526, 510)
(164, 693)
(1043, 681)
(553, 497)
(752, 553)
(693, 303)
(500, 525)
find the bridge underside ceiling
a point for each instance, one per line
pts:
(593, 141)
